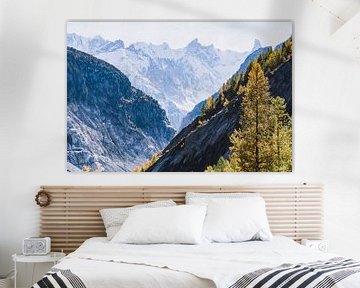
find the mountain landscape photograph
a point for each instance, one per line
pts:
(179, 96)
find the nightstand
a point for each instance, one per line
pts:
(52, 257)
(320, 245)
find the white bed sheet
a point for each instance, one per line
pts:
(100, 263)
(101, 274)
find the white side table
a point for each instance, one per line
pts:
(53, 257)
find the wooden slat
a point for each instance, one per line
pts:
(73, 216)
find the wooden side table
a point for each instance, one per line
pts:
(52, 257)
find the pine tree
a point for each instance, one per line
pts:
(203, 109)
(273, 60)
(282, 135)
(208, 106)
(253, 144)
(286, 51)
(210, 103)
(248, 69)
(222, 97)
(240, 90)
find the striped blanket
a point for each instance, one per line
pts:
(320, 274)
(59, 278)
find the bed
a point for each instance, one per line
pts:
(99, 263)
(282, 262)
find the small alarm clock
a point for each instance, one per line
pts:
(36, 246)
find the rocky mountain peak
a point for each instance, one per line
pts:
(164, 45)
(112, 46)
(86, 44)
(194, 44)
(99, 38)
(257, 45)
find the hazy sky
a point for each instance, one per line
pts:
(237, 36)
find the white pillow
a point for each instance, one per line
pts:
(204, 198)
(113, 218)
(236, 220)
(173, 225)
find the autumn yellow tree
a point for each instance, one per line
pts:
(208, 105)
(144, 167)
(282, 136)
(223, 165)
(253, 145)
(286, 51)
(264, 140)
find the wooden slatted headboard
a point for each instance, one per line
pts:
(73, 215)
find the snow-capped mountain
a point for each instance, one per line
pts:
(177, 78)
(86, 44)
(255, 52)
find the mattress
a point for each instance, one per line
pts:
(99, 263)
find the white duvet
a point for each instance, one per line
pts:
(100, 263)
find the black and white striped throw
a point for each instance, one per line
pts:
(320, 274)
(59, 278)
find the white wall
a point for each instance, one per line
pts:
(33, 107)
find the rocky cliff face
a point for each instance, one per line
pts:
(281, 84)
(111, 126)
(198, 146)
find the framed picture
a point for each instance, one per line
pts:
(179, 96)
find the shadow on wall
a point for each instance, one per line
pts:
(199, 13)
(21, 51)
(22, 41)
